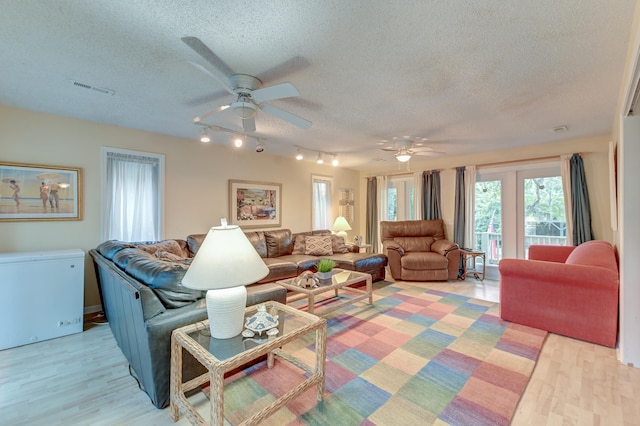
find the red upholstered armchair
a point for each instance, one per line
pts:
(566, 290)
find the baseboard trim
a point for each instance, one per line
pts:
(92, 309)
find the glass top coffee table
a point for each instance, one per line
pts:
(222, 355)
(340, 280)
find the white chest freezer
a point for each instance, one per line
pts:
(41, 296)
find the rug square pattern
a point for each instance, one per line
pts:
(417, 356)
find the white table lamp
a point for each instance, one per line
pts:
(341, 226)
(223, 265)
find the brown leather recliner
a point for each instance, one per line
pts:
(418, 251)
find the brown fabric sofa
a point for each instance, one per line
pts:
(418, 250)
(284, 254)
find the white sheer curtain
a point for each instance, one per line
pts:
(132, 199)
(470, 202)
(383, 205)
(565, 172)
(322, 206)
(418, 191)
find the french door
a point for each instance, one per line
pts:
(517, 207)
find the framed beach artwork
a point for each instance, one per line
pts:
(255, 204)
(35, 192)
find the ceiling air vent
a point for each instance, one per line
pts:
(93, 88)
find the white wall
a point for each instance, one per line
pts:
(196, 187)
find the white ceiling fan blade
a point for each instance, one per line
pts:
(207, 114)
(286, 116)
(221, 70)
(277, 91)
(429, 153)
(249, 124)
(224, 83)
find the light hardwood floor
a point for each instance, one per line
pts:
(83, 379)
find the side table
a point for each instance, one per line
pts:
(222, 355)
(468, 260)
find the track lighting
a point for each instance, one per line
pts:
(319, 160)
(335, 161)
(205, 136)
(259, 146)
(238, 141)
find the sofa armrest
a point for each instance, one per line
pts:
(392, 246)
(550, 253)
(443, 246)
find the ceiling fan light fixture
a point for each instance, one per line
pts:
(403, 156)
(243, 109)
(205, 136)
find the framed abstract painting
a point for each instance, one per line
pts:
(255, 204)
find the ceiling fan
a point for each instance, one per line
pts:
(249, 94)
(405, 148)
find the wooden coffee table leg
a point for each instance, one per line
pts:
(216, 396)
(310, 302)
(370, 289)
(176, 377)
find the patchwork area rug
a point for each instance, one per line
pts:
(416, 357)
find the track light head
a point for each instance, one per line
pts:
(205, 136)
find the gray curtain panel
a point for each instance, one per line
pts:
(372, 214)
(581, 208)
(459, 219)
(431, 200)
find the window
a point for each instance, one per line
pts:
(132, 189)
(321, 208)
(400, 199)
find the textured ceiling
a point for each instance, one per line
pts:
(469, 75)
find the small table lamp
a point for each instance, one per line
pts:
(341, 226)
(224, 264)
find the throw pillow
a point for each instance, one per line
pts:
(338, 245)
(299, 245)
(318, 246)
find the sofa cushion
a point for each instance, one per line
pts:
(170, 246)
(279, 242)
(123, 257)
(165, 278)
(318, 245)
(593, 253)
(194, 241)
(258, 241)
(338, 245)
(424, 261)
(358, 262)
(109, 248)
(299, 245)
(420, 244)
(280, 268)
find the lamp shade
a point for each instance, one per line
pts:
(341, 225)
(225, 259)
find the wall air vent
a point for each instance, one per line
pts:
(93, 88)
